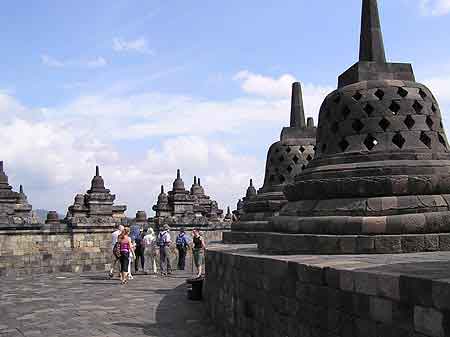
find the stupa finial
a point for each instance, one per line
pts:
(178, 174)
(20, 189)
(199, 184)
(195, 180)
(1, 165)
(162, 189)
(251, 182)
(297, 110)
(371, 41)
(97, 171)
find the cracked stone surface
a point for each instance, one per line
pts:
(86, 305)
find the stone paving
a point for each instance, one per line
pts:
(87, 305)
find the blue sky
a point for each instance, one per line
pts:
(145, 87)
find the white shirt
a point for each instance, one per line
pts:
(149, 240)
(165, 237)
(115, 237)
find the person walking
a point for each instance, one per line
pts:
(114, 258)
(126, 248)
(131, 259)
(198, 251)
(139, 252)
(164, 242)
(182, 247)
(149, 241)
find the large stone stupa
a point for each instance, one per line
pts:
(380, 179)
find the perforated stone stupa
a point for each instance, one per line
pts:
(96, 205)
(380, 179)
(15, 211)
(182, 207)
(286, 158)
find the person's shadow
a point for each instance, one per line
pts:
(176, 316)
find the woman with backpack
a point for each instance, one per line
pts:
(126, 249)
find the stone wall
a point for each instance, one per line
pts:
(46, 251)
(76, 250)
(333, 296)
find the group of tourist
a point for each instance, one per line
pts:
(139, 247)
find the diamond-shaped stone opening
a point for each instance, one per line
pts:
(277, 150)
(288, 150)
(289, 169)
(433, 108)
(422, 94)
(369, 109)
(394, 107)
(309, 158)
(442, 140)
(417, 107)
(296, 159)
(370, 142)
(357, 125)
(402, 92)
(281, 159)
(398, 140)
(303, 167)
(335, 127)
(430, 122)
(379, 94)
(384, 124)
(302, 149)
(343, 144)
(409, 122)
(324, 147)
(282, 179)
(425, 139)
(345, 112)
(357, 96)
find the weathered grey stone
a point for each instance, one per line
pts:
(428, 321)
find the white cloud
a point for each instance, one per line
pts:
(52, 62)
(56, 152)
(265, 86)
(96, 63)
(139, 45)
(435, 7)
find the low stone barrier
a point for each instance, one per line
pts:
(402, 295)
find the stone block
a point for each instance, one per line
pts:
(431, 242)
(441, 294)
(388, 286)
(388, 244)
(347, 245)
(413, 243)
(428, 321)
(365, 283)
(381, 310)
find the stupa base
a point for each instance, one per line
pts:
(291, 244)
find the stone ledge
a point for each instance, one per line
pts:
(279, 243)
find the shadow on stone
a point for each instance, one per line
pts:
(176, 316)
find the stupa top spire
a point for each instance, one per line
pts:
(297, 110)
(372, 64)
(371, 41)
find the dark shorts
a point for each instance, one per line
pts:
(124, 259)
